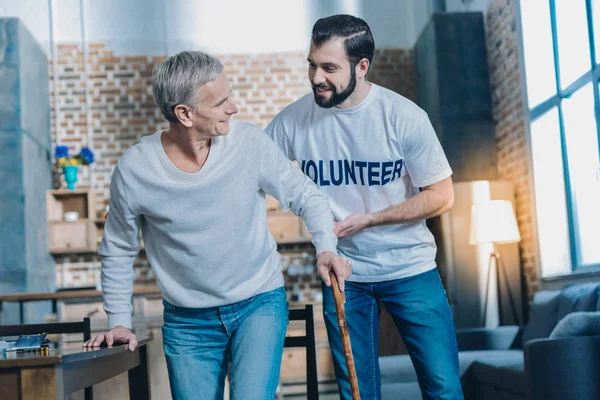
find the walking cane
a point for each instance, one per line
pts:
(338, 297)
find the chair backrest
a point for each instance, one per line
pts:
(52, 328)
(550, 306)
(308, 341)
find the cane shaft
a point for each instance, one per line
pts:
(338, 297)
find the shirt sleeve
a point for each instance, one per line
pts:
(118, 250)
(294, 190)
(276, 131)
(424, 157)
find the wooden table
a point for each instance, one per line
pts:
(63, 295)
(59, 372)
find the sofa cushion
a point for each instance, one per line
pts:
(401, 390)
(577, 297)
(543, 315)
(581, 323)
(399, 368)
(505, 374)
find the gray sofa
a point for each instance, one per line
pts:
(552, 357)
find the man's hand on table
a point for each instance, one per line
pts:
(117, 335)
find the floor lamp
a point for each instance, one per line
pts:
(494, 222)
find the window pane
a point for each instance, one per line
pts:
(537, 49)
(550, 195)
(582, 150)
(573, 40)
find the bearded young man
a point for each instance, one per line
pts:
(376, 156)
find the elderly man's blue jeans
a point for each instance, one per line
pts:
(199, 342)
(421, 312)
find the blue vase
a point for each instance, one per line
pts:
(70, 172)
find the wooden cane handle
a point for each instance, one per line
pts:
(338, 298)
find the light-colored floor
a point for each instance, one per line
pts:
(329, 397)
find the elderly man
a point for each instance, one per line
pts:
(197, 190)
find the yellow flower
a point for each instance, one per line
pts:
(62, 161)
(74, 161)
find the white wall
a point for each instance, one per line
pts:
(219, 27)
(34, 13)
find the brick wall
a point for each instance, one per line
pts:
(511, 129)
(395, 70)
(121, 110)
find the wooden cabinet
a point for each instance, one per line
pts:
(79, 236)
(72, 237)
(285, 226)
(390, 341)
(272, 203)
(84, 234)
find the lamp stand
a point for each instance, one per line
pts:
(496, 256)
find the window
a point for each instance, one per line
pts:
(553, 225)
(561, 43)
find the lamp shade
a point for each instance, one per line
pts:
(493, 221)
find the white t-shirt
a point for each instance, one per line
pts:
(367, 158)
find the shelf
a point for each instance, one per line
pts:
(272, 203)
(63, 251)
(60, 201)
(286, 227)
(82, 236)
(70, 237)
(275, 213)
(80, 220)
(298, 240)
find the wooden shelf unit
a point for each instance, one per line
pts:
(83, 235)
(66, 237)
(286, 227)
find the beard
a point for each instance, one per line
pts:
(336, 98)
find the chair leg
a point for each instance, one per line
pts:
(87, 329)
(311, 356)
(89, 393)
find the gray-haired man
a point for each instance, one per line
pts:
(197, 190)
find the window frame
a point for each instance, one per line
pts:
(591, 76)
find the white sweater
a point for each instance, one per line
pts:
(205, 233)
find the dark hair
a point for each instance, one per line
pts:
(358, 39)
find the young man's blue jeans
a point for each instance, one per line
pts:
(421, 312)
(199, 342)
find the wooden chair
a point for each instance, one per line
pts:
(308, 341)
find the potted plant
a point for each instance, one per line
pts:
(70, 164)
